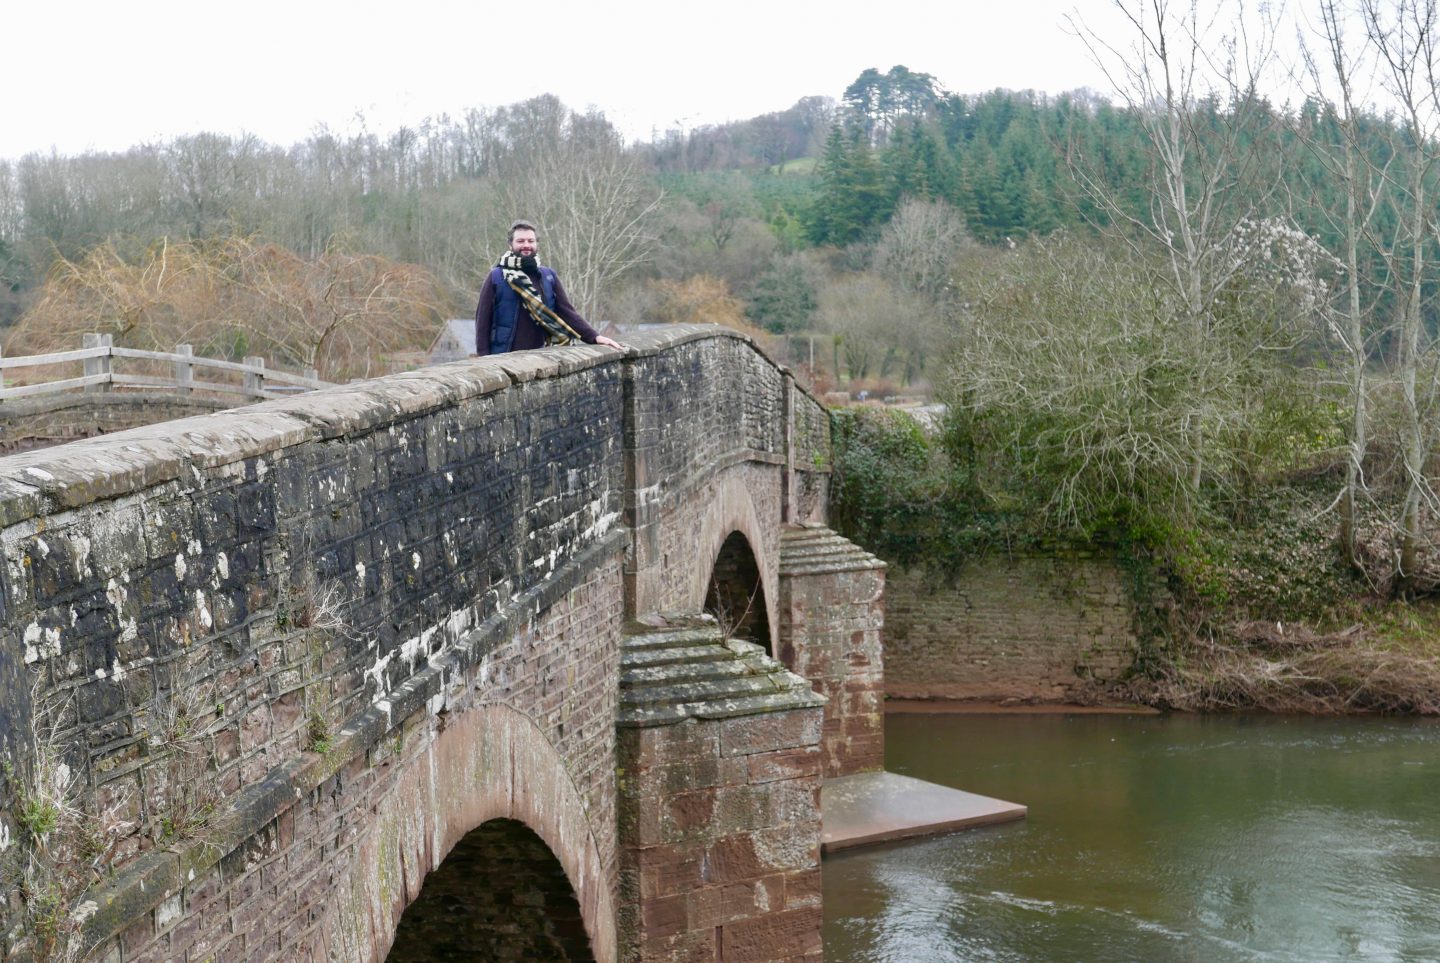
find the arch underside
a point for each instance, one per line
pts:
(736, 596)
(489, 766)
(730, 531)
(499, 896)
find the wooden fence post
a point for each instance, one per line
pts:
(102, 365)
(184, 370)
(255, 380)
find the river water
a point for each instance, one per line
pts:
(1154, 838)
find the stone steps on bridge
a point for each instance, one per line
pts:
(675, 668)
(815, 549)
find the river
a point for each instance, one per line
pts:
(1154, 838)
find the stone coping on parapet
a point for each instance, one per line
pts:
(674, 668)
(655, 341)
(43, 404)
(879, 807)
(92, 469)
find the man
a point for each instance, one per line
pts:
(522, 304)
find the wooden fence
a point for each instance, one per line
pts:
(99, 375)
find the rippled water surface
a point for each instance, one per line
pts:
(1157, 838)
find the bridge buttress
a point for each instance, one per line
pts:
(831, 612)
(718, 748)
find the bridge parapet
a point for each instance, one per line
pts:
(724, 437)
(284, 624)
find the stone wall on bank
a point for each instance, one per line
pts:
(1032, 628)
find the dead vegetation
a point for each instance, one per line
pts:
(1277, 667)
(341, 313)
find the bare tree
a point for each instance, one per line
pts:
(1333, 73)
(918, 246)
(1402, 34)
(590, 199)
(1191, 73)
(341, 313)
(877, 325)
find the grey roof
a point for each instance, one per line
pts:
(462, 332)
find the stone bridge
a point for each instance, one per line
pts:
(418, 662)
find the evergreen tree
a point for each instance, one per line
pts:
(852, 197)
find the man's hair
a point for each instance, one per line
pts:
(519, 226)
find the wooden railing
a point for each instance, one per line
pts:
(99, 375)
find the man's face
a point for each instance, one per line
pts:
(523, 243)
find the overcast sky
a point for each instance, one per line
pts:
(86, 75)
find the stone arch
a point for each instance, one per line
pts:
(736, 595)
(729, 509)
(484, 764)
(500, 895)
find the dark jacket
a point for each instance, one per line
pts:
(502, 323)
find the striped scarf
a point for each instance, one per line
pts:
(553, 326)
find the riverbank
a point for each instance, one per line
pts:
(1382, 668)
(1007, 707)
(1358, 670)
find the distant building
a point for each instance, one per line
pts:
(455, 342)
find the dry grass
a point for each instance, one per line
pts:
(61, 848)
(1280, 668)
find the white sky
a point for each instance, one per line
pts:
(88, 75)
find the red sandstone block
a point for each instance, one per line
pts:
(804, 889)
(670, 870)
(862, 725)
(866, 743)
(863, 755)
(718, 905)
(254, 916)
(227, 745)
(774, 936)
(698, 773)
(690, 947)
(666, 744)
(770, 731)
(734, 858)
(786, 802)
(764, 852)
(664, 917)
(203, 891)
(203, 948)
(783, 764)
(244, 889)
(255, 729)
(688, 811)
(285, 829)
(137, 936)
(265, 946)
(231, 951)
(185, 937)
